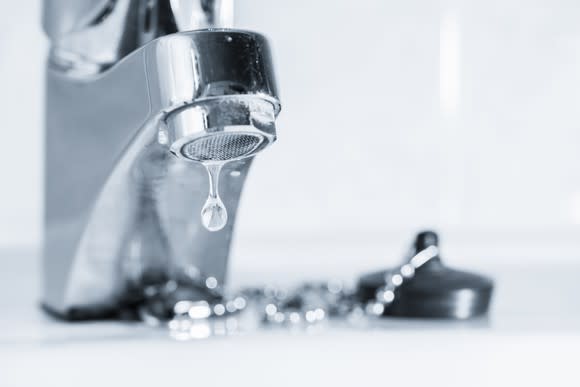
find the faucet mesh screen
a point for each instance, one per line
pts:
(221, 146)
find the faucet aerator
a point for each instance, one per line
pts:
(222, 147)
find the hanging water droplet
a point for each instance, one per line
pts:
(214, 215)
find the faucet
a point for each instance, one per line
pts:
(142, 96)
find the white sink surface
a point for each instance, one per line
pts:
(532, 335)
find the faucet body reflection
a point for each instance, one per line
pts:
(128, 89)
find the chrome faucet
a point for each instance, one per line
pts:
(140, 95)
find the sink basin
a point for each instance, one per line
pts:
(531, 334)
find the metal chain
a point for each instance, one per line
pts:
(308, 304)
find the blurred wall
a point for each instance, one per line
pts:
(22, 52)
(459, 115)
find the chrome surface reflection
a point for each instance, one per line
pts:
(90, 35)
(122, 199)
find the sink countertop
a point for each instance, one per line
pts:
(531, 335)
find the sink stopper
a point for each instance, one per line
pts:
(425, 287)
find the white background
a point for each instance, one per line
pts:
(459, 115)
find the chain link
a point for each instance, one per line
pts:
(308, 304)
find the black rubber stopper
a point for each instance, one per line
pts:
(435, 291)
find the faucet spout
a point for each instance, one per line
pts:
(126, 151)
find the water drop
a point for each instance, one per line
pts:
(214, 215)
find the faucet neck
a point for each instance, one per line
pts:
(89, 36)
